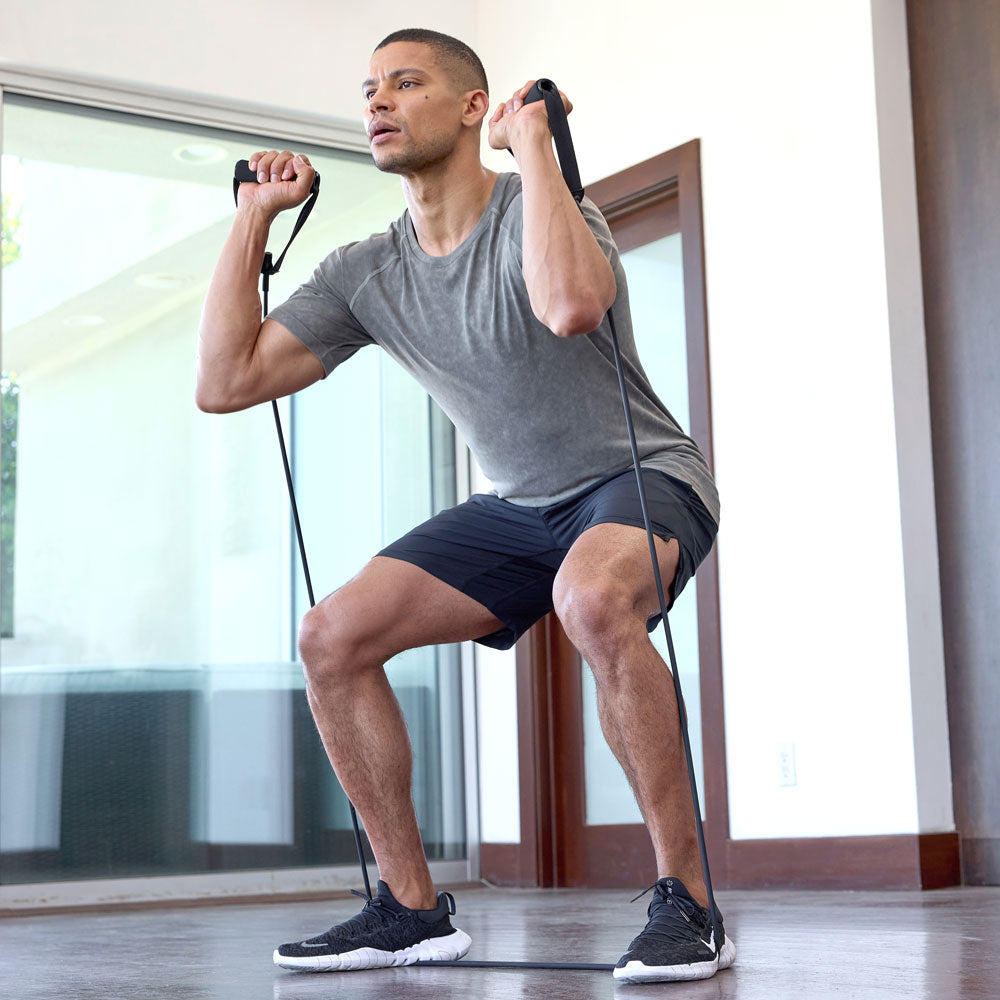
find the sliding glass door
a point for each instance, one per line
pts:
(153, 712)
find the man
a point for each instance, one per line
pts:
(492, 290)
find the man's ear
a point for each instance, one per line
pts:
(477, 106)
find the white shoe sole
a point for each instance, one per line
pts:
(637, 972)
(436, 949)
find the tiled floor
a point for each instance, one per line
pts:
(795, 945)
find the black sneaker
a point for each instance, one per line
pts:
(677, 942)
(384, 933)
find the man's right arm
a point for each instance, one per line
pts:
(241, 361)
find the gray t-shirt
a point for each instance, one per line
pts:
(541, 413)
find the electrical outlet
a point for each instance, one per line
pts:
(786, 764)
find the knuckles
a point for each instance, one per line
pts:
(272, 165)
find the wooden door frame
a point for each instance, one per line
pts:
(638, 203)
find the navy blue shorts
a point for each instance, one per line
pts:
(505, 555)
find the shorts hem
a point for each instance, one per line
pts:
(504, 638)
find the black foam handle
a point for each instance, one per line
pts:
(545, 90)
(535, 94)
(243, 174)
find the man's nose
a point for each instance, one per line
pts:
(380, 99)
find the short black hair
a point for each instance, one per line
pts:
(448, 49)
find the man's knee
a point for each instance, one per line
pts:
(598, 613)
(333, 640)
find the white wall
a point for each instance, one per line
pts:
(827, 580)
(309, 55)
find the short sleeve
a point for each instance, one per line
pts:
(599, 227)
(318, 313)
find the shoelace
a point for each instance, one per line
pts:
(372, 915)
(641, 894)
(665, 925)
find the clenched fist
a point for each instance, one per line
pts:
(284, 181)
(514, 120)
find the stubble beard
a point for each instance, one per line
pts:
(415, 158)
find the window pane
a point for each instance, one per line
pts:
(656, 296)
(394, 469)
(153, 716)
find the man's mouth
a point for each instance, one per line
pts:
(379, 129)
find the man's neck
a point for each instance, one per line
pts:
(446, 201)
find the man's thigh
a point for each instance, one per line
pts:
(392, 605)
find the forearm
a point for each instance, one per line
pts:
(231, 319)
(570, 282)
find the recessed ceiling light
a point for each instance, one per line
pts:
(199, 154)
(84, 321)
(163, 279)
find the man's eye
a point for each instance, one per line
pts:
(367, 94)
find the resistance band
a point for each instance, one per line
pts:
(546, 90)
(244, 175)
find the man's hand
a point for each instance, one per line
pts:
(513, 120)
(275, 190)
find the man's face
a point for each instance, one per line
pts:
(413, 112)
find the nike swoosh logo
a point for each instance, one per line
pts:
(306, 944)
